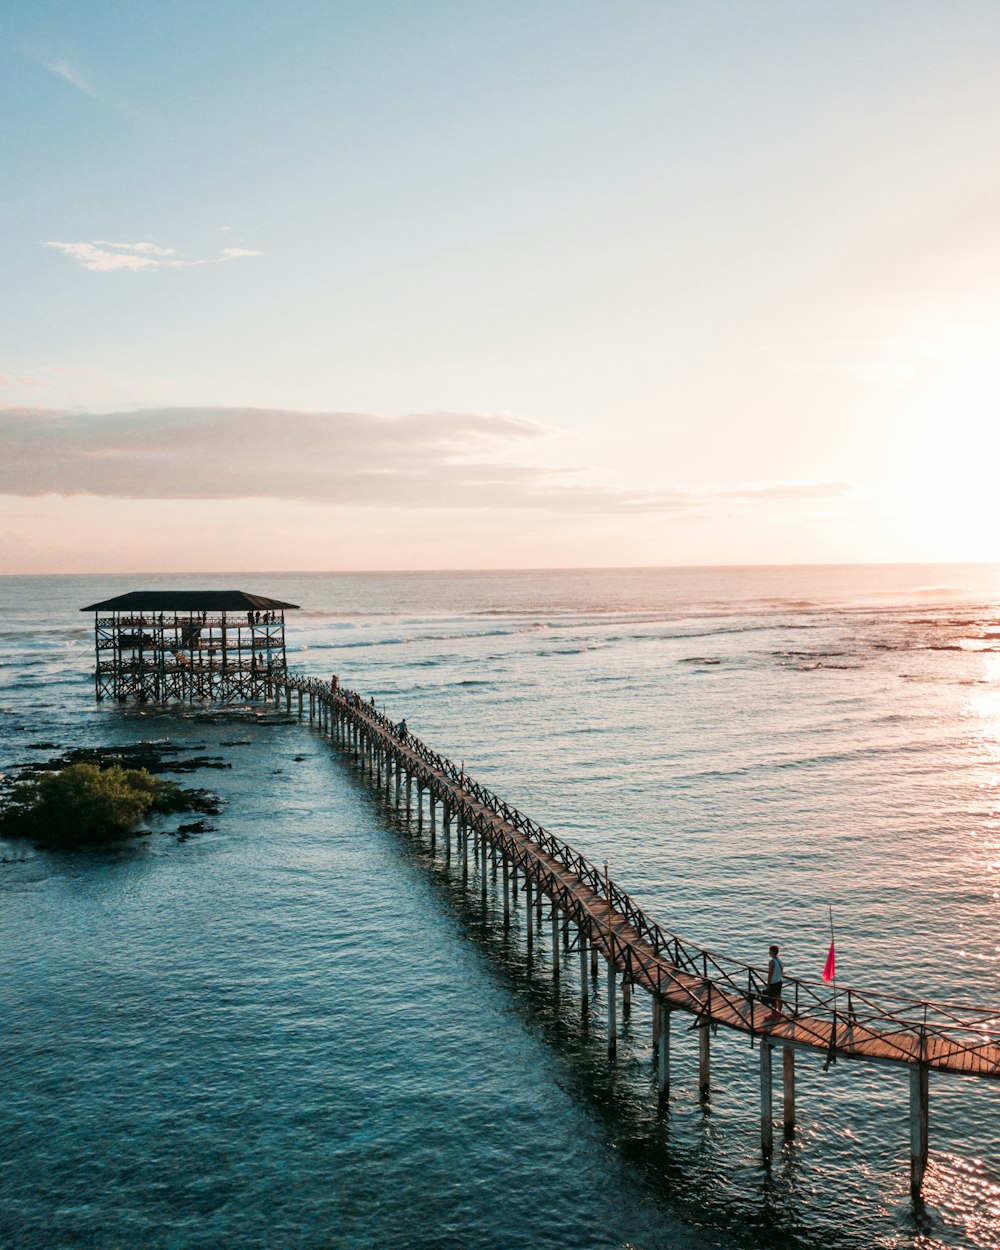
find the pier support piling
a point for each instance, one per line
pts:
(663, 1014)
(704, 1060)
(788, 1088)
(612, 1009)
(766, 1111)
(919, 1107)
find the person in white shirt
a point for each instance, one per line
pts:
(775, 976)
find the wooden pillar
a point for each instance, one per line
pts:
(663, 1050)
(300, 703)
(593, 960)
(483, 847)
(447, 833)
(704, 1060)
(612, 1010)
(506, 892)
(420, 805)
(529, 914)
(584, 980)
(919, 1107)
(409, 787)
(766, 1112)
(788, 1088)
(626, 997)
(555, 941)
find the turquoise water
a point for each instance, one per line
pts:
(301, 1030)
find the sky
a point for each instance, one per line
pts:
(402, 284)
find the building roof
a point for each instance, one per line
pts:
(186, 601)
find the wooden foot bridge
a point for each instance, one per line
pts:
(592, 918)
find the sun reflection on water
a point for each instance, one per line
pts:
(959, 1192)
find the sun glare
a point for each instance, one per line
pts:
(953, 476)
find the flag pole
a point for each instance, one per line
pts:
(832, 1053)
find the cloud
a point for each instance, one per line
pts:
(105, 256)
(70, 73)
(422, 460)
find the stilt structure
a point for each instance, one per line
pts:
(222, 646)
(555, 880)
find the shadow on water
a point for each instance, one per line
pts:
(763, 1207)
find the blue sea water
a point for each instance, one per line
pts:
(301, 1030)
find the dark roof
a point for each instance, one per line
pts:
(186, 601)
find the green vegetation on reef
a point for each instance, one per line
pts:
(85, 803)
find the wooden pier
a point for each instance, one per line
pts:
(592, 919)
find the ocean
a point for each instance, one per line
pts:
(299, 1030)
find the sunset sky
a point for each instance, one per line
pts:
(478, 284)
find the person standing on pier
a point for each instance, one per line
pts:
(775, 977)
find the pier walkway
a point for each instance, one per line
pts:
(592, 917)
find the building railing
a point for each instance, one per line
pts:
(231, 620)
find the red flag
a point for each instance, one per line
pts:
(830, 968)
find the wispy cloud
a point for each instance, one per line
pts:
(423, 460)
(106, 257)
(72, 74)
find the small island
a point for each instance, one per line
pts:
(92, 801)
